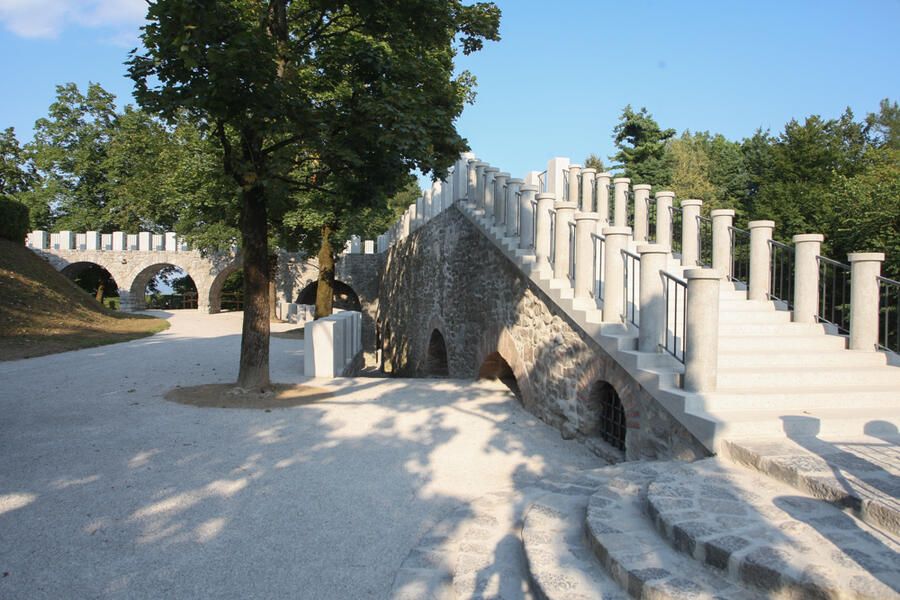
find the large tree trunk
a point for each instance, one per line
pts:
(254, 370)
(325, 289)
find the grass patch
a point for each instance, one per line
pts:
(43, 312)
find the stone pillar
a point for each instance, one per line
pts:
(602, 185)
(369, 247)
(864, 268)
(489, 174)
(132, 243)
(80, 241)
(430, 206)
(587, 189)
(574, 180)
(534, 178)
(39, 239)
(701, 344)
(721, 240)
(652, 297)
(585, 225)
(641, 218)
(527, 213)
(408, 217)
(66, 240)
(555, 178)
(158, 242)
(144, 241)
(760, 258)
(92, 240)
(356, 244)
(664, 201)
(480, 168)
(807, 247)
(471, 181)
(614, 273)
(119, 240)
(620, 210)
(545, 200)
(565, 212)
(690, 232)
(446, 194)
(512, 207)
(171, 241)
(499, 217)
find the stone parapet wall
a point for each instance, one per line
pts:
(447, 276)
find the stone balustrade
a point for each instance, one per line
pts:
(117, 241)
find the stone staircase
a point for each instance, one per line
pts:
(725, 527)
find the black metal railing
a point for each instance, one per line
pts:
(651, 220)
(740, 255)
(572, 250)
(889, 314)
(704, 226)
(675, 290)
(632, 290)
(834, 294)
(676, 217)
(542, 181)
(599, 243)
(552, 256)
(534, 221)
(781, 281)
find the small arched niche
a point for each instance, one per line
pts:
(495, 368)
(611, 425)
(436, 356)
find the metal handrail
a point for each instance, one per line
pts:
(676, 215)
(572, 250)
(888, 327)
(674, 287)
(781, 283)
(534, 220)
(651, 220)
(632, 284)
(597, 287)
(740, 255)
(542, 180)
(704, 228)
(552, 256)
(834, 294)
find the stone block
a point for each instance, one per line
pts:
(323, 351)
(132, 242)
(80, 241)
(120, 241)
(54, 241)
(369, 247)
(171, 242)
(157, 242)
(145, 241)
(106, 241)
(66, 240)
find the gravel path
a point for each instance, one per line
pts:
(109, 491)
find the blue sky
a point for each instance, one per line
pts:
(558, 81)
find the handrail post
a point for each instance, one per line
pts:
(641, 222)
(574, 180)
(587, 189)
(526, 214)
(614, 273)
(565, 212)
(471, 181)
(601, 183)
(701, 347)
(489, 174)
(620, 211)
(722, 219)
(807, 247)
(865, 268)
(480, 168)
(499, 199)
(760, 259)
(585, 225)
(512, 205)
(664, 201)
(690, 232)
(542, 234)
(652, 297)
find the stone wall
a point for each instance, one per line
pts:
(448, 276)
(362, 273)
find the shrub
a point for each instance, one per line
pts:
(13, 220)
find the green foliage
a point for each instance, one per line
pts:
(594, 162)
(13, 220)
(885, 125)
(642, 148)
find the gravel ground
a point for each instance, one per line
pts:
(109, 491)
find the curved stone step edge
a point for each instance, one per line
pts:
(872, 511)
(628, 546)
(560, 564)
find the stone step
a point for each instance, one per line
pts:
(812, 376)
(764, 534)
(778, 398)
(860, 474)
(624, 540)
(561, 566)
(771, 330)
(789, 421)
(813, 341)
(738, 304)
(736, 356)
(754, 316)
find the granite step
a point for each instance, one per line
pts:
(625, 541)
(560, 564)
(764, 534)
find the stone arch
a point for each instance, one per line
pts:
(436, 364)
(214, 295)
(601, 385)
(141, 276)
(605, 416)
(497, 343)
(345, 297)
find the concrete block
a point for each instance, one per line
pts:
(38, 239)
(171, 242)
(106, 241)
(132, 242)
(354, 244)
(145, 241)
(54, 241)
(80, 241)
(120, 241)
(369, 247)
(183, 246)
(322, 350)
(157, 242)
(66, 240)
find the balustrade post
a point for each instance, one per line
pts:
(565, 212)
(652, 304)
(480, 168)
(574, 177)
(545, 202)
(601, 183)
(419, 219)
(620, 201)
(499, 199)
(446, 194)
(614, 273)
(641, 218)
(526, 215)
(585, 225)
(587, 189)
(512, 207)
(471, 181)
(690, 232)
(489, 174)
(760, 274)
(664, 201)
(865, 267)
(721, 240)
(807, 247)
(701, 344)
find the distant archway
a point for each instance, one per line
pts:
(92, 278)
(611, 424)
(140, 289)
(496, 368)
(436, 356)
(344, 296)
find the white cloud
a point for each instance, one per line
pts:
(48, 18)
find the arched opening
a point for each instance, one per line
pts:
(95, 280)
(496, 368)
(227, 290)
(436, 356)
(344, 296)
(164, 286)
(611, 425)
